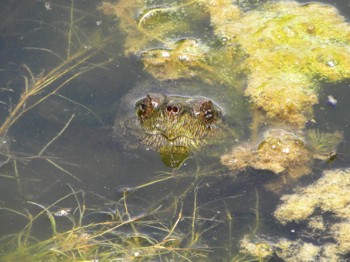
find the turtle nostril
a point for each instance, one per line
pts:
(173, 109)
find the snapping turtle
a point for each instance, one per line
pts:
(177, 118)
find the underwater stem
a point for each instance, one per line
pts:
(70, 29)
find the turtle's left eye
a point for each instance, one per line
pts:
(206, 112)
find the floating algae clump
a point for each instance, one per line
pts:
(325, 204)
(260, 248)
(188, 58)
(279, 151)
(289, 154)
(175, 63)
(290, 47)
(286, 49)
(148, 25)
(341, 233)
(330, 194)
(289, 251)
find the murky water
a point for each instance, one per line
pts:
(65, 144)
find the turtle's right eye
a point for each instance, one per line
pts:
(150, 104)
(145, 107)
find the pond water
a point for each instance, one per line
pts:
(64, 176)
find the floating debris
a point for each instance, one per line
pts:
(62, 212)
(332, 101)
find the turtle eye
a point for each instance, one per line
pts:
(207, 113)
(145, 107)
(148, 105)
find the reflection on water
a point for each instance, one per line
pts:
(71, 190)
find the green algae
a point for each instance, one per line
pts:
(325, 206)
(148, 24)
(290, 48)
(322, 209)
(263, 249)
(287, 154)
(189, 58)
(330, 194)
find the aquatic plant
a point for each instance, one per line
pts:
(113, 235)
(77, 60)
(190, 58)
(283, 153)
(328, 198)
(292, 47)
(146, 25)
(296, 250)
(321, 144)
(79, 51)
(328, 194)
(258, 249)
(263, 249)
(289, 154)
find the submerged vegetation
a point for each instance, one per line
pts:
(95, 235)
(81, 55)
